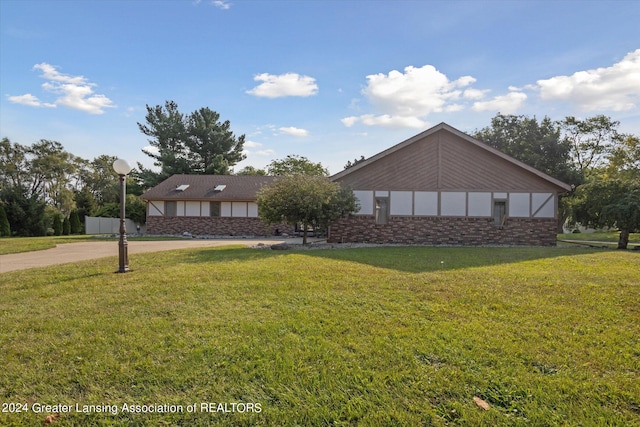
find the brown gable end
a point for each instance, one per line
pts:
(443, 158)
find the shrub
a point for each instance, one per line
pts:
(5, 228)
(57, 224)
(66, 227)
(76, 225)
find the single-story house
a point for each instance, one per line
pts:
(440, 187)
(443, 187)
(215, 205)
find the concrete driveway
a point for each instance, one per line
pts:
(73, 252)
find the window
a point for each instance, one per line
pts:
(170, 208)
(382, 210)
(499, 212)
(214, 209)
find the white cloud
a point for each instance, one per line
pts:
(474, 94)
(505, 104)
(264, 153)
(614, 88)
(49, 72)
(220, 4)
(289, 84)
(75, 92)
(405, 99)
(386, 120)
(30, 100)
(293, 131)
(252, 144)
(249, 150)
(416, 92)
(349, 121)
(452, 108)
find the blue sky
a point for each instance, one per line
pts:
(329, 80)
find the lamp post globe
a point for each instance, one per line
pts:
(122, 168)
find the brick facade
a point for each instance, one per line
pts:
(467, 231)
(207, 226)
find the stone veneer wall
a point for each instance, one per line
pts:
(445, 231)
(207, 226)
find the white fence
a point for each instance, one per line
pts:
(99, 225)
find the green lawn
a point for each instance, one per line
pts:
(600, 236)
(16, 245)
(27, 244)
(372, 336)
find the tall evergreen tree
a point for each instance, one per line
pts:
(66, 226)
(74, 222)
(195, 144)
(211, 144)
(57, 224)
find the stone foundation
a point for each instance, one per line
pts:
(207, 226)
(445, 231)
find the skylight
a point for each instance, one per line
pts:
(220, 187)
(182, 187)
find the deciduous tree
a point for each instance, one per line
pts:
(538, 144)
(611, 203)
(624, 161)
(295, 165)
(592, 140)
(309, 200)
(250, 170)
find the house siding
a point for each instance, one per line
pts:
(445, 231)
(207, 226)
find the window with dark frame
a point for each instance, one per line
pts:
(382, 210)
(499, 212)
(214, 209)
(170, 208)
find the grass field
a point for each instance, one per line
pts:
(371, 336)
(600, 236)
(27, 244)
(16, 245)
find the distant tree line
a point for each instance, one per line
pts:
(47, 190)
(601, 164)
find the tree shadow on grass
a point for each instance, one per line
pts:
(411, 259)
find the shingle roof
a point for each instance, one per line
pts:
(201, 187)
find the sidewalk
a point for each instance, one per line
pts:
(81, 251)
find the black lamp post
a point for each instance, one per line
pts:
(122, 168)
